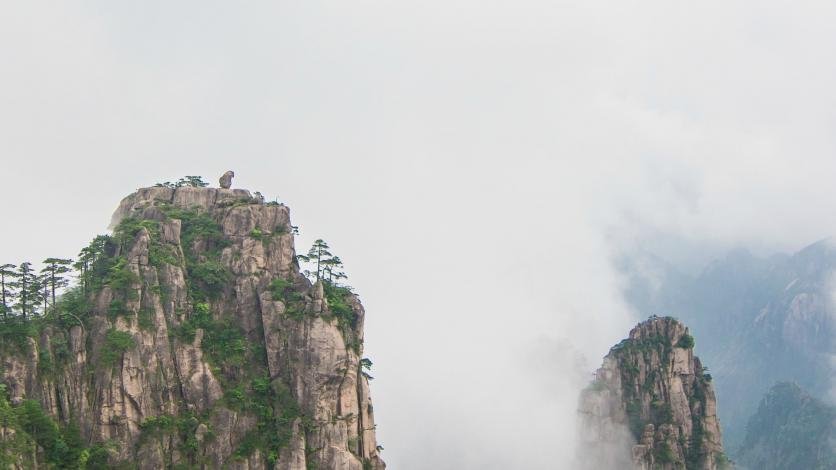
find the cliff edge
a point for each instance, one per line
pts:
(193, 341)
(651, 405)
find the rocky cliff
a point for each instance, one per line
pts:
(193, 341)
(760, 320)
(651, 406)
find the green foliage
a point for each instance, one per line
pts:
(54, 275)
(338, 304)
(223, 341)
(12, 446)
(184, 426)
(27, 289)
(189, 181)
(15, 333)
(327, 266)
(723, 462)
(276, 409)
(202, 240)
(790, 429)
(257, 234)
(686, 341)
(664, 454)
(45, 364)
(62, 447)
(279, 288)
(208, 279)
(72, 307)
(192, 181)
(145, 319)
(95, 261)
(115, 345)
(634, 419)
(121, 278)
(159, 253)
(282, 290)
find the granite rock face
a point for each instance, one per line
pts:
(651, 406)
(218, 366)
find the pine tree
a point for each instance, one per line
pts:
(317, 254)
(193, 181)
(55, 272)
(331, 269)
(7, 276)
(27, 288)
(86, 259)
(42, 283)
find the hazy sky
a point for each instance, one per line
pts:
(475, 164)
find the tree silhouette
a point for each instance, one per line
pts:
(331, 269)
(317, 254)
(27, 288)
(87, 258)
(193, 181)
(7, 276)
(55, 271)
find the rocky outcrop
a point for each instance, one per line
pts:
(760, 320)
(651, 406)
(201, 345)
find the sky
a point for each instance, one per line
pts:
(476, 164)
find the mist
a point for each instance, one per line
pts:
(476, 165)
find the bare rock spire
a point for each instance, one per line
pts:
(226, 179)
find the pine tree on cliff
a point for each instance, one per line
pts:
(331, 269)
(55, 272)
(317, 254)
(27, 288)
(87, 258)
(7, 275)
(42, 281)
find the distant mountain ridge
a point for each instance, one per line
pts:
(791, 430)
(760, 320)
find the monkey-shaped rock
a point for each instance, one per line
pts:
(226, 179)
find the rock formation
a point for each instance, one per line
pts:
(760, 320)
(202, 346)
(226, 179)
(651, 406)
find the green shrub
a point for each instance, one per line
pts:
(664, 454)
(208, 279)
(338, 304)
(62, 447)
(279, 288)
(276, 410)
(115, 345)
(145, 319)
(686, 341)
(45, 364)
(15, 333)
(223, 341)
(121, 278)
